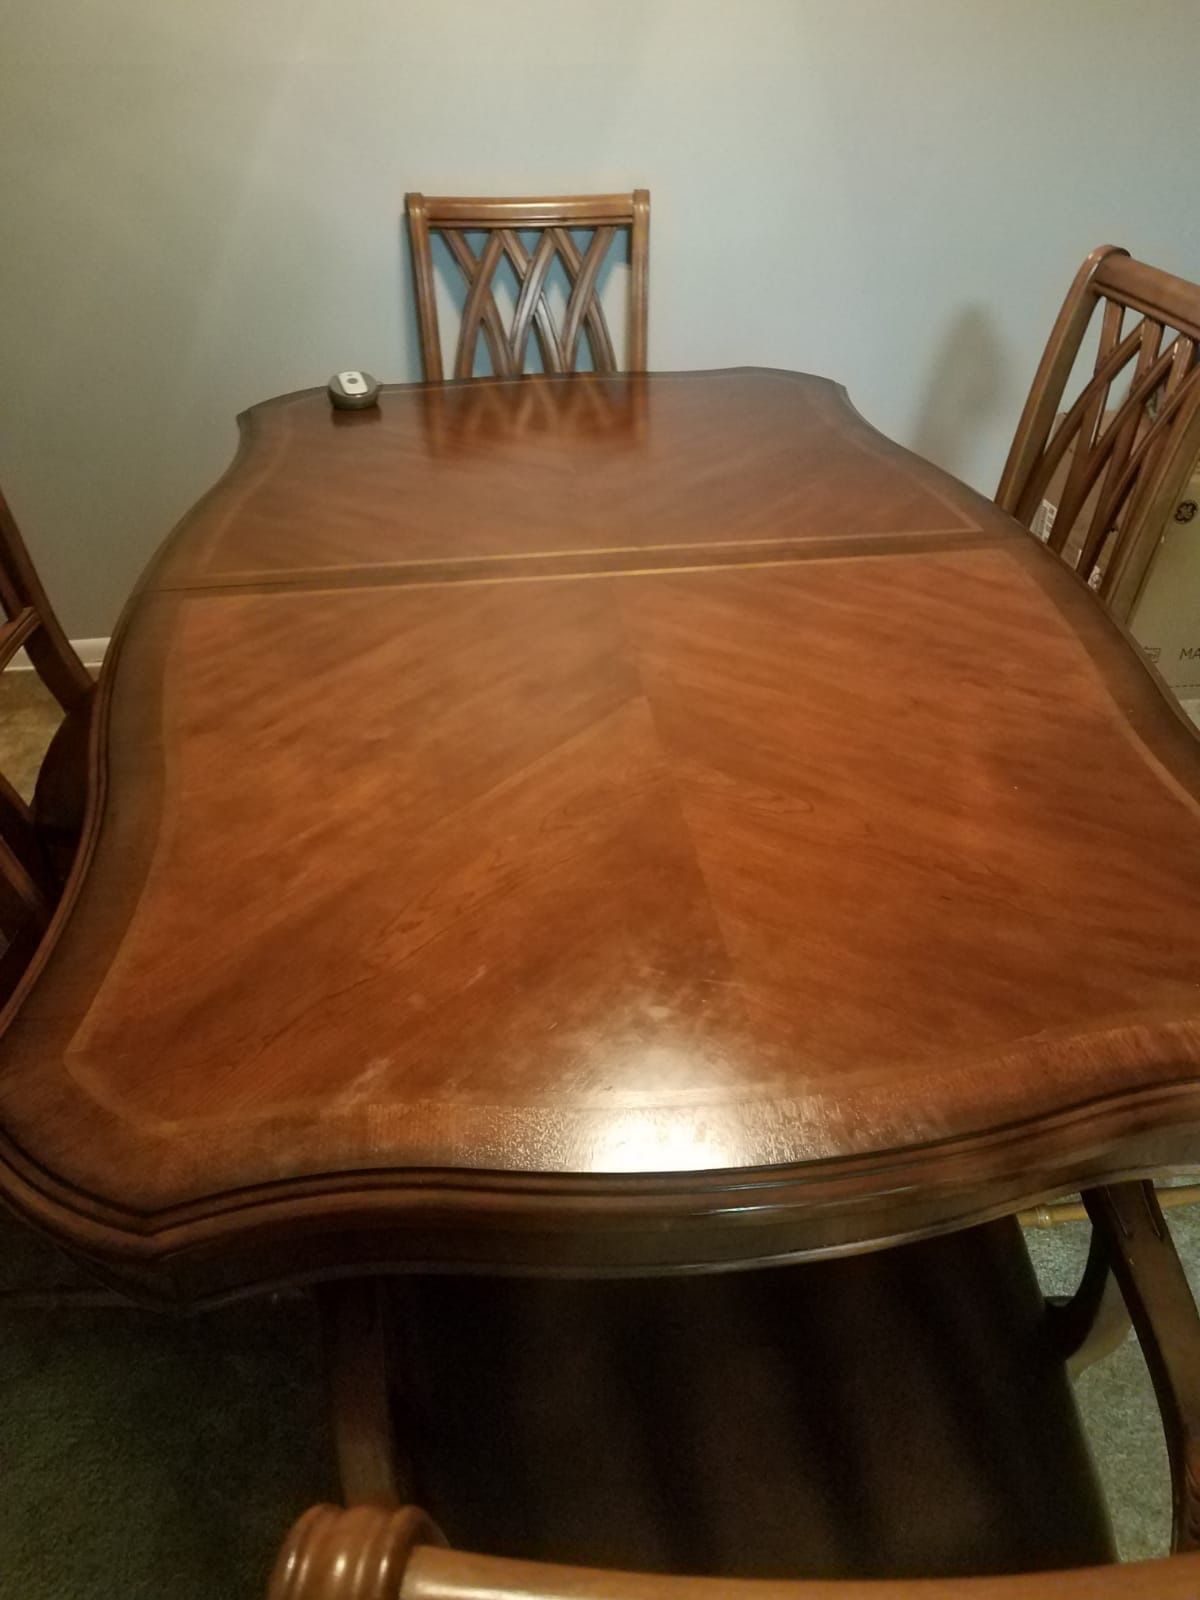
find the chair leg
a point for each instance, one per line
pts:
(1090, 1324)
(1160, 1302)
(355, 1337)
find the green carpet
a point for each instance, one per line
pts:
(145, 1456)
(152, 1458)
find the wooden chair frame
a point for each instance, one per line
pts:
(383, 1549)
(27, 886)
(503, 221)
(1127, 469)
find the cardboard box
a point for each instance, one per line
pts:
(1165, 616)
(1165, 619)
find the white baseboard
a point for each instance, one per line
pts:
(89, 651)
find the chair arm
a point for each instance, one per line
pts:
(369, 1553)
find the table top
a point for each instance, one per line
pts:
(604, 823)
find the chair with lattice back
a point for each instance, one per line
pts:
(505, 225)
(1119, 450)
(37, 839)
(892, 1426)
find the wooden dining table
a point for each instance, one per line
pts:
(602, 825)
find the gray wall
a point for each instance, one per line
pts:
(201, 197)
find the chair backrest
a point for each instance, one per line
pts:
(1132, 429)
(557, 223)
(27, 893)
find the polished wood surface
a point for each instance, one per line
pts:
(34, 838)
(604, 823)
(557, 223)
(1130, 428)
(371, 1463)
(323, 1560)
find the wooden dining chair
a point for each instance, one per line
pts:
(866, 1421)
(37, 838)
(505, 225)
(1131, 429)
(404, 1545)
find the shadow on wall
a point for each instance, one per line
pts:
(965, 393)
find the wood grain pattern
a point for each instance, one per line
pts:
(649, 822)
(1132, 430)
(557, 223)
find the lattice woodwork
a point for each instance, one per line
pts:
(1132, 430)
(556, 222)
(27, 888)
